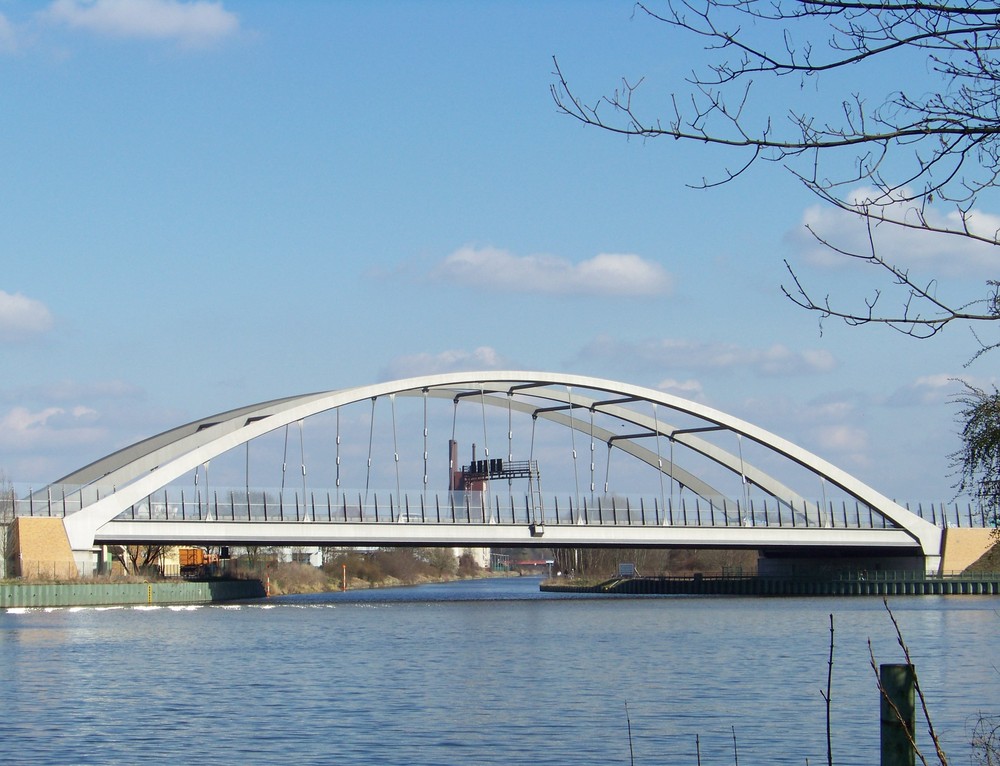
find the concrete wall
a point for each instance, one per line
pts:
(105, 594)
(963, 547)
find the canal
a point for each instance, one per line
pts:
(482, 672)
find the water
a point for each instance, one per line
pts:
(483, 672)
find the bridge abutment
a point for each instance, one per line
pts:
(41, 549)
(962, 547)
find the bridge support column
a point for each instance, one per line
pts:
(933, 565)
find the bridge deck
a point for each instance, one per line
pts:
(477, 534)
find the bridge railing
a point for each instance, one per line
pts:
(384, 506)
(952, 515)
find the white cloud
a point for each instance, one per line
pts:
(8, 37)
(482, 358)
(64, 391)
(842, 438)
(926, 390)
(23, 429)
(22, 317)
(690, 389)
(604, 274)
(944, 255)
(832, 427)
(190, 23)
(774, 360)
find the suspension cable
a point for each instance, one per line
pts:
(593, 456)
(673, 479)
(371, 433)
(743, 475)
(607, 468)
(531, 464)
(208, 496)
(284, 460)
(302, 455)
(572, 441)
(484, 494)
(395, 451)
(510, 443)
(659, 460)
(425, 444)
(451, 460)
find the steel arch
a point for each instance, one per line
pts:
(135, 472)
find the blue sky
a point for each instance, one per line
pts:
(205, 205)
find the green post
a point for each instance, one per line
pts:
(897, 714)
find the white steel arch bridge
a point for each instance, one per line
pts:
(712, 479)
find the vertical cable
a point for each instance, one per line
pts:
(451, 460)
(743, 475)
(659, 460)
(371, 433)
(302, 455)
(284, 460)
(395, 451)
(510, 443)
(673, 479)
(338, 454)
(484, 493)
(425, 446)
(531, 468)
(208, 495)
(593, 456)
(572, 438)
(607, 469)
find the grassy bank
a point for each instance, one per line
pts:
(379, 569)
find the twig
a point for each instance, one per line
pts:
(916, 685)
(736, 751)
(697, 748)
(826, 699)
(892, 705)
(628, 720)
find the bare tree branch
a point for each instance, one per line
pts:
(938, 144)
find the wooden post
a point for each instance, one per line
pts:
(897, 715)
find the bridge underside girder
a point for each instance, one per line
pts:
(299, 533)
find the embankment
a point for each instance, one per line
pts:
(29, 595)
(979, 585)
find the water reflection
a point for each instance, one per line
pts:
(484, 672)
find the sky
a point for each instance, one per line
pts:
(205, 205)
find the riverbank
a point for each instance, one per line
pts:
(896, 585)
(283, 580)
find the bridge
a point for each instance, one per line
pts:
(637, 467)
